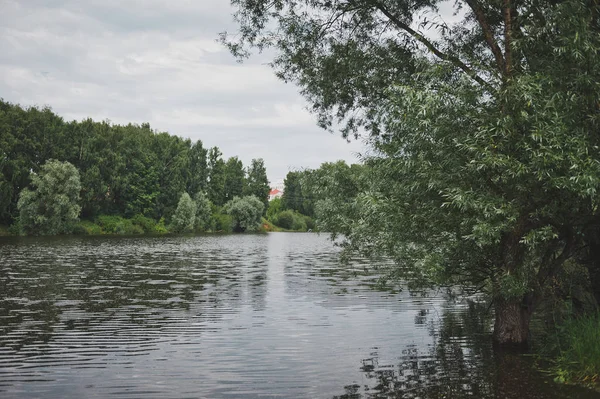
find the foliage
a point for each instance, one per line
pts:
(483, 133)
(221, 223)
(257, 183)
(147, 224)
(51, 203)
(216, 177)
(274, 207)
(285, 220)
(294, 197)
(578, 341)
(235, 179)
(246, 213)
(124, 170)
(86, 227)
(203, 212)
(184, 219)
(111, 224)
(292, 220)
(160, 227)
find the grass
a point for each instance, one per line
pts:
(578, 357)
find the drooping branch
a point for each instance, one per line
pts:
(430, 46)
(488, 33)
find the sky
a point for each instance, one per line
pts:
(159, 61)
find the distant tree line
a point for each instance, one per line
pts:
(123, 171)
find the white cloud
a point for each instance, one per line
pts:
(159, 62)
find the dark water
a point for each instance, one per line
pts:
(244, 316)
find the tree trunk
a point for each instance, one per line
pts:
(512, 322)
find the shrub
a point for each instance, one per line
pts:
(86, 227)
(147, 224)
(310, 223)
(203, 212)
(274, 208)
(246, 213)
(160, 227)
(50, 205)
(285, 220)
(579, 357)
(185, 215)
(221, 222)
(118, 225)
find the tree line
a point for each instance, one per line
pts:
(124, 170)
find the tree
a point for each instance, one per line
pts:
(246, 213)
(293, 197)
(257, 182)
(484, 132)
(198, 168)
(185, 215)
(216, 177)
(203, 211)
(235, 178)
(50, 205)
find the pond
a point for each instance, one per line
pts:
(237, 316)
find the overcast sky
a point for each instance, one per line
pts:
(158, 61)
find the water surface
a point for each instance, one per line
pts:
(239, 316)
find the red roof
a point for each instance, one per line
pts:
(274, 192)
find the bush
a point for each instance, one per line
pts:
(86, 227)
(118, 225)
(160, 227)
(147, 224)
(203, 212)
(185, 215)
(222, 223)
(579, 356)
(310, 223)
(50, 205)
(274, 208)
(285, 220)
(246, 213)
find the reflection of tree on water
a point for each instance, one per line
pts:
(461, 364)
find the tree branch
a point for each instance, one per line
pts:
(430, 46)
(507, 37)
(488, 33)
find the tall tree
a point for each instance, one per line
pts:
(484, 131)
(257, 182)
(198, 168)
(235, 178)
(51, 204)
(216, 177)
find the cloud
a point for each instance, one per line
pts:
(159, 62)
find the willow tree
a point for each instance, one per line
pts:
(483, 117)
(50, 204)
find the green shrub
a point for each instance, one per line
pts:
(86, 227)
(310, 223)
(147, 224)
(285, 220)
(185, 215)
(160, 227)
(50, 204)
(274, 208)
(579, 350)
(222, 223)
(118, 225)
(246, 213)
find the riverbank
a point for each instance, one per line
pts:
(141, 225)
